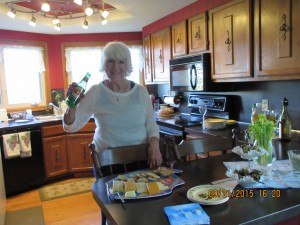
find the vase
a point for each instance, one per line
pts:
(266, 159)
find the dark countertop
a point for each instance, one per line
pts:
(12, 125)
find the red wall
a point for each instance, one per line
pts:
(54, 41)
(54, 46)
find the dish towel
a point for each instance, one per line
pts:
(25, 143)
(186, 214)
(11, 146)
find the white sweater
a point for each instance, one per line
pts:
(121, 118)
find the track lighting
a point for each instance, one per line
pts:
(12, 13)
(57, 27)
(85, 25)
(89, 10)
(68, 11)
(78, 2)
(32, 21)
(45, 6)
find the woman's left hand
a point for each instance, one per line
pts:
(154, 154)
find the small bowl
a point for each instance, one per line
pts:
(294, 157)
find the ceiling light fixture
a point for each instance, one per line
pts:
(78, 2)
(32, 22)
(85, 24)
(61, 10)
(89, 10)
(45, 6)
(57, 27)
(12, 13)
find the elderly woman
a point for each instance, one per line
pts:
(122, 109)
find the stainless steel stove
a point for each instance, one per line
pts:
(217, 107)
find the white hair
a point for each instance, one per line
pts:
(116, 51)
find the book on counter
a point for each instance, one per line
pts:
(186, 214)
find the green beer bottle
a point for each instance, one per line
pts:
(73, 99)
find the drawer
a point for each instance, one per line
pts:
(54, 130)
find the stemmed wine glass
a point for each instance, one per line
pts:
(203, 111)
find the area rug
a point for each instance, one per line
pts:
(29, 216)
(54, 191)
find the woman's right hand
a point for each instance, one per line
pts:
(73, 88)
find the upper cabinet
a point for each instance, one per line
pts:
(277, 39)
(197, 33)
(230, 40)
(161, 54)
(147, 58)
(179, 39)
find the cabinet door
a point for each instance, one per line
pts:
(277, 42)
(161, 54)
(79, 153)
(179, 39)
(147, 58)
(231, 40)
(197, 33)
(55, 155)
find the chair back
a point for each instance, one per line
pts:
(126, 156)
(202, 145)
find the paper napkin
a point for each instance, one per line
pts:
(186, 214)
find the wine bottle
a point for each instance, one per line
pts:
(284, 123)
(254, 114)
(73, 99)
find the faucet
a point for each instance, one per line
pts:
(58, 109)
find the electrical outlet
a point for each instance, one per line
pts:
(265, 105)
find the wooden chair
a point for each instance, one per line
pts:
(200, 146)
(133, 157)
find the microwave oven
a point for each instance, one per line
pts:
(191, 74)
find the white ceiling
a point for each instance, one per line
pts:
(129, 16)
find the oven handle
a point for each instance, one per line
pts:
(193, 79)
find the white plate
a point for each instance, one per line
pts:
(211, 190)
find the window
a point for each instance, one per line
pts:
(80, 60)
(22, 76)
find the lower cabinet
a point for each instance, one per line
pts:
(55, 155)
(67, 153)
(79, 156)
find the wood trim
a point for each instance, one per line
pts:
(65, 45)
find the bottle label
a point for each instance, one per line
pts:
(74, 98)
(284, 130)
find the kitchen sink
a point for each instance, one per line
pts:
(48, 117)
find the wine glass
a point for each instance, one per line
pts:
(203, 111)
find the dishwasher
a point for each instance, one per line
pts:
(23, 174)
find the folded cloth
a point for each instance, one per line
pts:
(25, 143)
(186, 214)
(11, 146)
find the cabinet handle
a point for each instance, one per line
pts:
(228, 41)
(160, 56)
(284, 28)
(197, 34)
(57, 157)
(84, 153)
(178, 41)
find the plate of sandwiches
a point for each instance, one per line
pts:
(143, 184)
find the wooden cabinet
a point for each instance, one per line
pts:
(277, 42)
(55, 151)
(67, 153)
(161, 54)
(179, 39)
(147, 59)
(197, 33)
(78, 152)
(230, 43)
